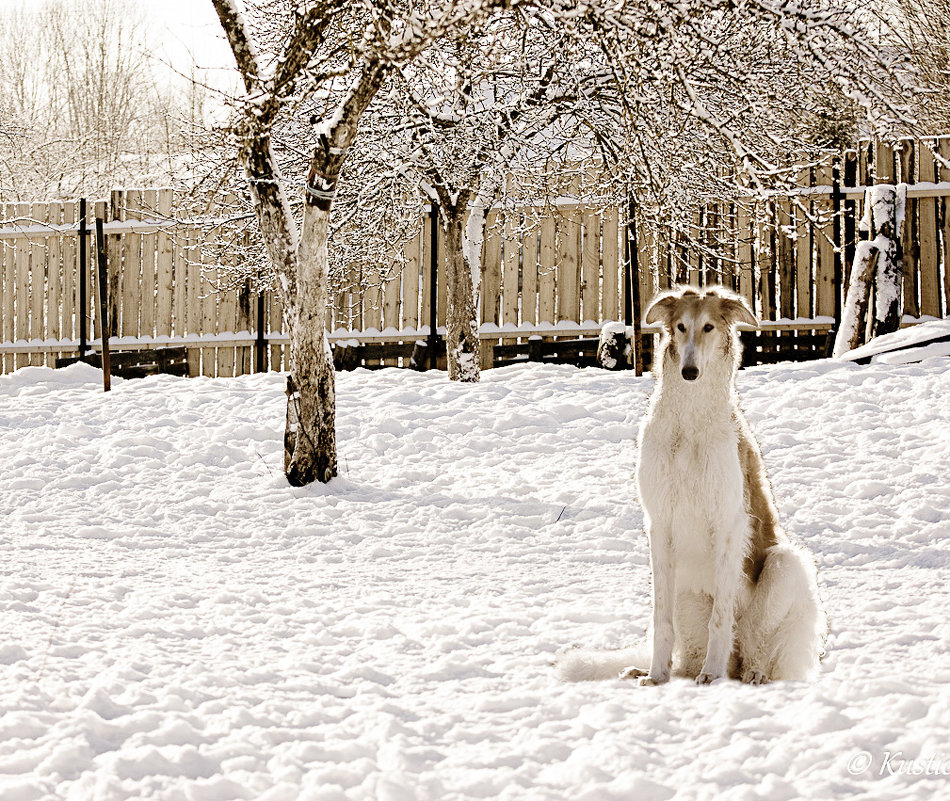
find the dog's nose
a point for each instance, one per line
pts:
(690, 373)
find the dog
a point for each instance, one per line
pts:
(732, 596)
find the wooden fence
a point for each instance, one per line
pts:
(554, 271)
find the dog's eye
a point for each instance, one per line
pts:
(708, 327)
(680, 327)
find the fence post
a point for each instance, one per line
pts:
(433, 285)
(836, 198)
(631, 290)
(260, 346)
(83, 300)
(104, 327)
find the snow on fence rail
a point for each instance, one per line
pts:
(556, 270)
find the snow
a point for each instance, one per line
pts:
(898, 340)
(181, 624)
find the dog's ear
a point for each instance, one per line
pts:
(661, 310)
(735, 310)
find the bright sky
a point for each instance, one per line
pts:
(184, 32)
(190, 33)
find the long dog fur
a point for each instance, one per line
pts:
(732, 596)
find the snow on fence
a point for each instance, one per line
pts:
(552, 271)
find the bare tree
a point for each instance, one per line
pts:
(456, 124)
(339, 54)
(920, 31)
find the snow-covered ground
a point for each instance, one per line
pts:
(178, 623)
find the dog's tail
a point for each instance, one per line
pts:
(586, 664)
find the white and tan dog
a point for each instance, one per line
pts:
(731, 595)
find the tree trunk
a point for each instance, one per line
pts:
(310, 437)
(462, 344)
(851, 331)
(876, 264)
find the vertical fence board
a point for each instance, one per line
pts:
(491, 268)
(192, 299)
(410, 282)
(928, 262)
(372, 300)
(23, 286)
(745, 266)
(391, 289)
(943, 149)
(279, 354)
(611, 259)
(764, 263)
(69, 318)
(225, 318)
(825, 252)
(786, 258)
(590, 267)
(100, 211)
(164, 268)
(649, 273)
(179, 265)
(529, 268)
(8, 253)
(245, 322)
(54, 278)
(133, 289)
(711, 222)
(511, 262)
(208, 303)
(147, 293)
(906, 160)
(546, 271)
(850, 228)
(803, 261)
(568, 266)
(425, 293)
(695, 270)
(114, 262)
(39, 213)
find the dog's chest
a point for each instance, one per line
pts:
(687, 470)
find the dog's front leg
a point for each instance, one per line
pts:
(728, 550)
(661, 559)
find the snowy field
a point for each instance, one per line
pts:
(179, 623)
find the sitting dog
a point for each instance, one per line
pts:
(731, 595)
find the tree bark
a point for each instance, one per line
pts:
(310, 436)
(461, 325)
(853, 326)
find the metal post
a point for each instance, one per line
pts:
(629, 254)
(261, 344)
(433, 284)
(836, 198)
(83, 300)
(103, 305)
(632, 285)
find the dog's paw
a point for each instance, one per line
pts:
(631, 673)
(652, 681)
(754, 677)
(707, 678)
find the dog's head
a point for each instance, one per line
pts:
(700, 326)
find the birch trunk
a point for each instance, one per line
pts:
(462, 344)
